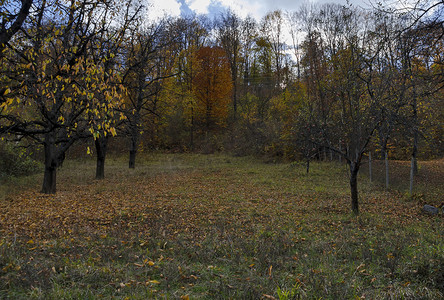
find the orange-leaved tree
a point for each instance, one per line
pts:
(212, 87)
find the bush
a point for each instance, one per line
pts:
(15, 161)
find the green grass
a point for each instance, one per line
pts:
(217, 227)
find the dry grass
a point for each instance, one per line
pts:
(219, 227)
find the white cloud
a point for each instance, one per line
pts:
(254, 8)
(259, 8)
(199, 6)
(245, 7)
(159, 8)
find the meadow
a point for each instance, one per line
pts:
(189, 226)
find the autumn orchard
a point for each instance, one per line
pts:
(298, 156)
(351, 82)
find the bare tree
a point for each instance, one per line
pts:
(148, 62)
(272, 31)
(229, 36)
(343, 105)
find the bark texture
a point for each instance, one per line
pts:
(101, 147)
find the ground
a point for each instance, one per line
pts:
(215, 226)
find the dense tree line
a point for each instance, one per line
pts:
(323, 81)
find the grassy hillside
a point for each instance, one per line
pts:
(213, 226)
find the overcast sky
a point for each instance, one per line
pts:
(255, 8)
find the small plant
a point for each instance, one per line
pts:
(294, 293)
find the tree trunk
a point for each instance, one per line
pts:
(101, 145)
(412, 176)
(49, 178)
(192, 130)
(370, 166)
(354, 169)
(308, 165)
(387, 181)
(234, 98)
(132, 158)
(339, 154)
(415, 133)
(133, 146)
(414, 153)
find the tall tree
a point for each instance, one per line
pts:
(343, 108)
(229, 36)
(272, 29)
(148, 62)
(212, 86)
(194, 35)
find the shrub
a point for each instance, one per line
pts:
(15, 161)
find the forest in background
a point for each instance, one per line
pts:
(325, 81)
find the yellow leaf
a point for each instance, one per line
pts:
(154, 281)
(151, 263)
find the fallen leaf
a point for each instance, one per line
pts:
(154, 281)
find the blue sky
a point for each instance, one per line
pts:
(254, 8)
